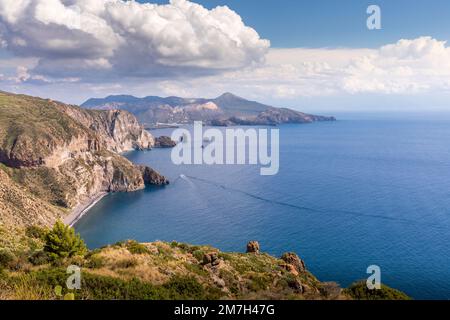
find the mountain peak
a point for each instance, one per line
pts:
(228, 95)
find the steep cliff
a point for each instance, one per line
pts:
(120, 131)
(62, 156)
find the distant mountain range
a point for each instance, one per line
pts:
(226, 110)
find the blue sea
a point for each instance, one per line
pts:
(349, 194)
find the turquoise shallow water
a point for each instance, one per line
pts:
(348, 195)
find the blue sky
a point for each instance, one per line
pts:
(334, 23)
(316, 56)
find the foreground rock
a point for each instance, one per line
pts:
(253, 247)
(211, 259)
(293, 263)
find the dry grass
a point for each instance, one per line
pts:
(24, 286)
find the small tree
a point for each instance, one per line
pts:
(62, 242)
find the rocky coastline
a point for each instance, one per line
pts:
(69, 157)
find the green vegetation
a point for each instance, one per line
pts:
(260, 282)
(95, 262)
(39, 257)
(136, 248)
(127, 263)
(131, 270)
(62, 242)
(99, 287)
(359, 291)
(36, 232)
(199, 254)
(6, 258)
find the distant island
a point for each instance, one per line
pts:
(226, 110)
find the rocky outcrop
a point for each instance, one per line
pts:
(164, 142)
(293, 263)
(211, 259)
(119, 130)
(152, 177)
(253, 247)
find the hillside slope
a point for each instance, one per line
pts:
(140, 271)
(55, 157)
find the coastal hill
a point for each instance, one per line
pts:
(55, 158)
(59, 157)
(226, 110)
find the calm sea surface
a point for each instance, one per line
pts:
(349, 194)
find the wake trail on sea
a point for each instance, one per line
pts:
(307, 208)
(185, 178)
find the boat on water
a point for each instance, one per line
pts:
(184, 138)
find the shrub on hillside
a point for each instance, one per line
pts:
(137, 248)
(359, 291)
(39, 257)
(182, 288)
(199, 254)
(95, 262)
(127, 263)
(97, 287)
(62, 242)
(6, 258)
(36, 232)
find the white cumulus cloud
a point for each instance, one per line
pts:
(95, 38)
(415, 66)
(408, 66)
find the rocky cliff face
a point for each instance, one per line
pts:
(63, 155)
(119, 130)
